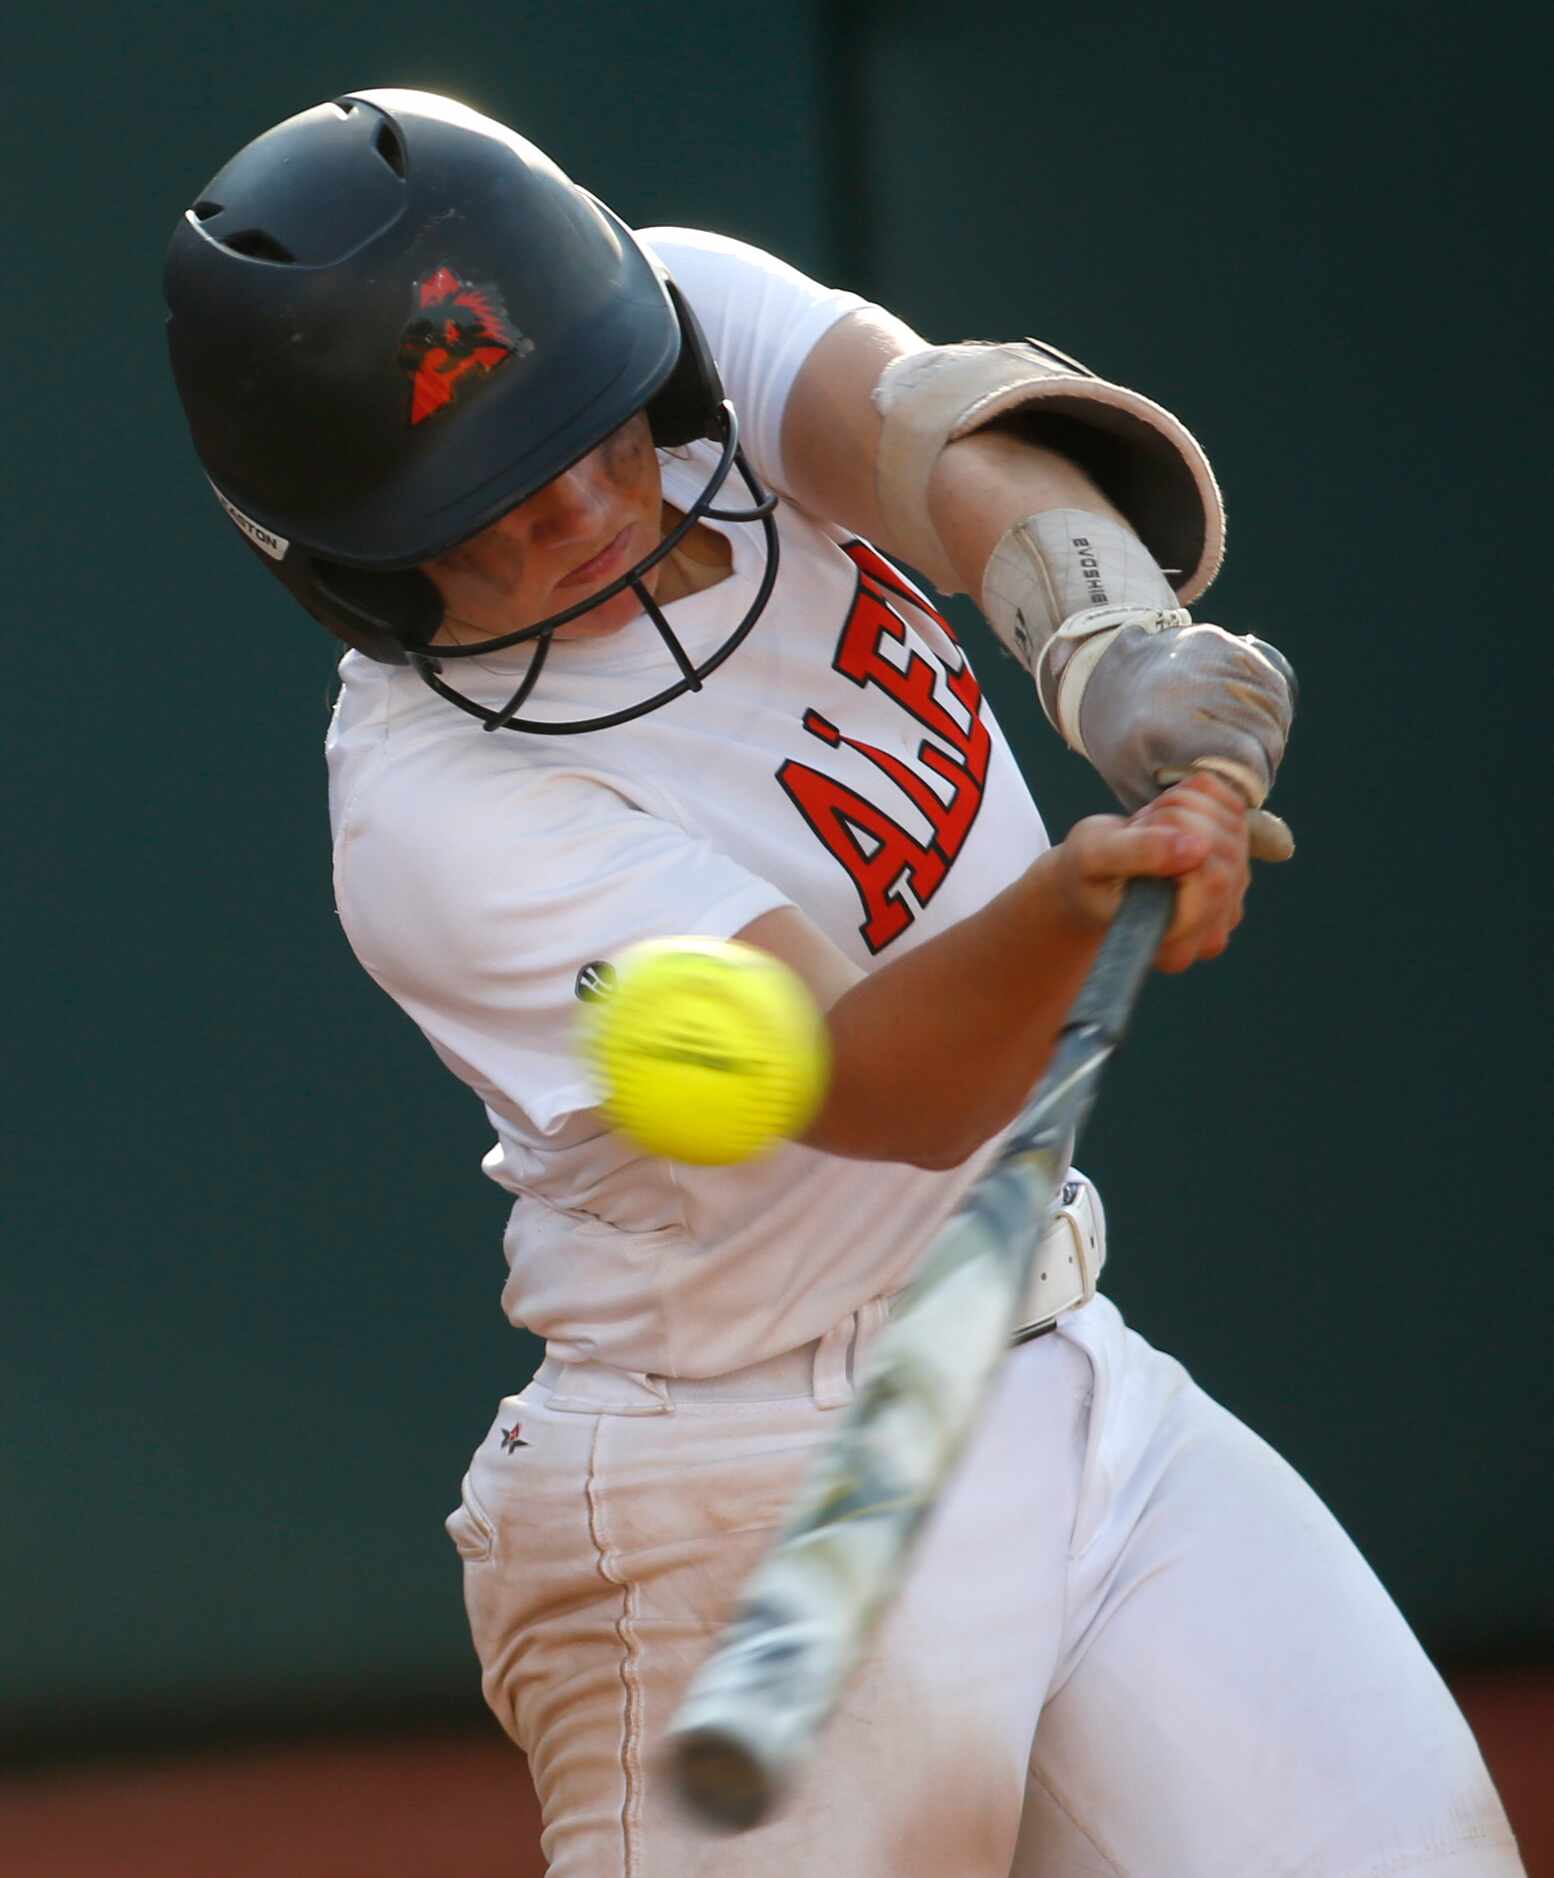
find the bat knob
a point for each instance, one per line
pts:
(722, 1779)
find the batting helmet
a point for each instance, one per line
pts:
(390, 321)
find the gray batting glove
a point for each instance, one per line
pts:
(1159, 705)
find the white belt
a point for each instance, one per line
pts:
(1068, 1261)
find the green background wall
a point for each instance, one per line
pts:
(250, 1328)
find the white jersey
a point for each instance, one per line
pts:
(841, 761)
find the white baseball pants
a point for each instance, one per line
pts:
(1134, 1643)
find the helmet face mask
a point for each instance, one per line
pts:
(429, 663)
(390, 322)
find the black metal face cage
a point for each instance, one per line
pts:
(429, 664)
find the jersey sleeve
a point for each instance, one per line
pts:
(762, 319)
(480, 926)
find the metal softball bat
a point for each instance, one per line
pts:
(755, 1708)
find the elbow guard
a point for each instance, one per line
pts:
(1145, 461)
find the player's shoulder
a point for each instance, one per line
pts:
(421, 778)
(703, 246)
(703, 260)
(762, 317)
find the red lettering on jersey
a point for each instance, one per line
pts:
(877, 852)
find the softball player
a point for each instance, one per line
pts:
(595, 511)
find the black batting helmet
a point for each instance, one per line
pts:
(391, 320)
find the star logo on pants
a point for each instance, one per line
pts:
(513, 1438)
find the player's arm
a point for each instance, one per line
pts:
(1077, 513)
(933, 1053)
(981, 486)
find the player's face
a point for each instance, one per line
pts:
(568, 540)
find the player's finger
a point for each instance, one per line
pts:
(1211, 785)
(1210, 901)
(1203, 923)
(1202, 798)
(1100, 855)
(1130, 849)
(1271, 837)
(1203, 932)
(1208, 807)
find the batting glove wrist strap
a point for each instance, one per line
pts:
(1077, 648)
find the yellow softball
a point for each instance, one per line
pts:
(705, 1050)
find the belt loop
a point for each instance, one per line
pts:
(872, 1319)
(832, 1384)
(657, 1387)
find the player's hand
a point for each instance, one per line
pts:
(1160, 704)
(1211, 896)
(1195, 833)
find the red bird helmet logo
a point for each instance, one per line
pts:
(456, 333)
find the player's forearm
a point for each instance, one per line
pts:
(935, 1052)
(984, 484)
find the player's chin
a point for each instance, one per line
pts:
(602, 622)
